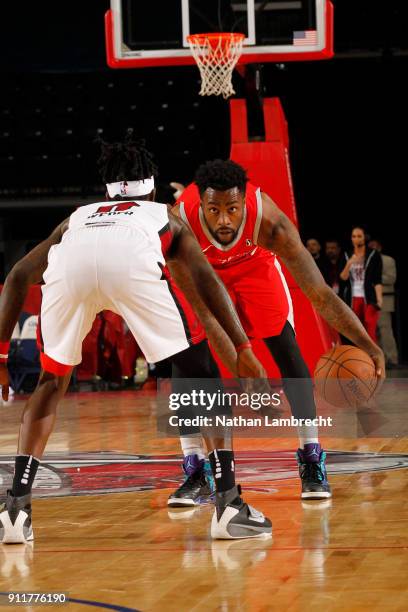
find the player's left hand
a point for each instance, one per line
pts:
(4, 381)
(379, 362)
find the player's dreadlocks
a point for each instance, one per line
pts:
(220, 175)
(125, 161)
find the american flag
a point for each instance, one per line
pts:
(304, 38)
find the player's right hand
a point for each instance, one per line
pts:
(248, 365)
(253, 374)
(4, 381)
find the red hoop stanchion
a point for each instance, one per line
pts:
(216, 56)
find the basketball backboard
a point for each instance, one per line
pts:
(147, 33)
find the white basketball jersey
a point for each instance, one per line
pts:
(149, 218)
(112, 258)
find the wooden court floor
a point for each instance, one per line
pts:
(126, 550)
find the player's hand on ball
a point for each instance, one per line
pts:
(349, 377)
(4, 381)
(379, 362)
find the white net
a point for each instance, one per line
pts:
(216, 56)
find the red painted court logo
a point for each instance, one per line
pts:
(95, 473)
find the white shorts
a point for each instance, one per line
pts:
(108, 268)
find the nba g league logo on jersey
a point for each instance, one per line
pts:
(62, 475)
(115, 209)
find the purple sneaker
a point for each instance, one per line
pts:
(312, 472)
(198, 486)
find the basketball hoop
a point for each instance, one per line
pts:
(216, 56)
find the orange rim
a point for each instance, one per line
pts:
(199, 39)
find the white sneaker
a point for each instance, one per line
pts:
(15, 520)
(234, 519)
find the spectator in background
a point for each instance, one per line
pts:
(315, 249)
(335, 262)
(386, 333)
(363, 277)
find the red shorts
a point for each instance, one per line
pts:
(368, 315)
(260, 294)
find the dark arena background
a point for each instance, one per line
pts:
(104, 535)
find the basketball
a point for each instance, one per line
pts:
(345, 377)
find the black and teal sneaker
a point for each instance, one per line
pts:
(198, 487)
(312, 471)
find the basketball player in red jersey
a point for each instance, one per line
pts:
(241, 231)
(111, 255)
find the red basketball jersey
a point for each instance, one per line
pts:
(243, 246)
(251, 274)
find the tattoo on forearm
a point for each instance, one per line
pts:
(326, 302)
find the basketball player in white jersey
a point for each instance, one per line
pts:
(112, 256)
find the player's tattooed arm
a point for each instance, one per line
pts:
(221, 343)
(182, 276)
(176, 210)
(210, 288)
(194, 273)
(278, 234)
(28, 271)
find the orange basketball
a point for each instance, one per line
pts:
(345, 377)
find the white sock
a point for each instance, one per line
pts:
(193, 445)
(308, 434)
